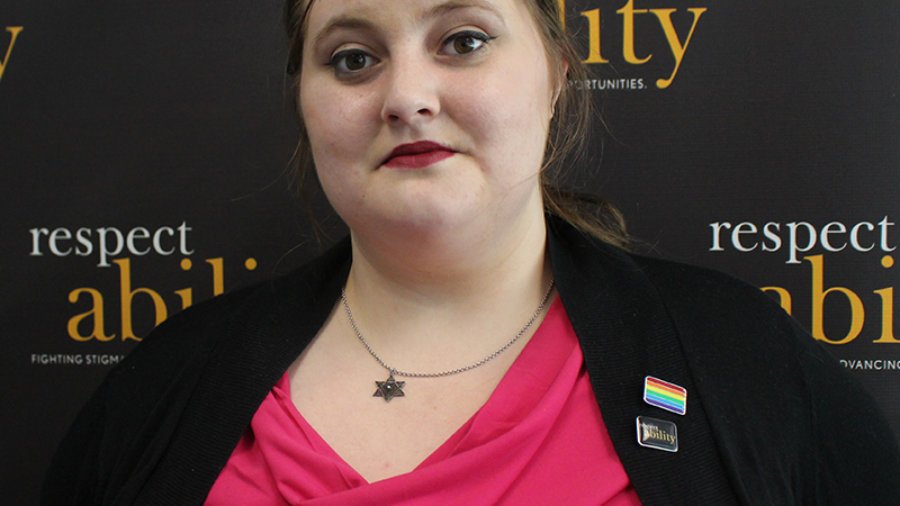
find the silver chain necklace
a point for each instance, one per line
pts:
(391, 388)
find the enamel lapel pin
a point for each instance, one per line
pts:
(654, 432)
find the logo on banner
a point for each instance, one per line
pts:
(804, 244)
(120, 251)
(14, 32)
(626, 19)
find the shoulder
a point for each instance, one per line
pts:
(724, 319)
(193, 333)
(734, 336)
(182, 341)
(732, 328)
(724, 303)
(710, 310)
(174, 354)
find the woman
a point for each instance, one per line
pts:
(430, 359)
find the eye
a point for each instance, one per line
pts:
(466, 42)
(351, 61)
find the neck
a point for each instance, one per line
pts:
(462, 294)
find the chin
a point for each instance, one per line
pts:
(431, 218)
(418, 220)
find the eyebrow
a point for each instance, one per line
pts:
(450, 6)
(353, 22)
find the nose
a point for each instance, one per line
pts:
(412, 94)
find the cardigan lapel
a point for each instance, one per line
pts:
(266, 335)
(625, 335)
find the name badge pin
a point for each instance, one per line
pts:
(665, 395)
(657, 434)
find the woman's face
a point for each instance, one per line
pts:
(426, 113)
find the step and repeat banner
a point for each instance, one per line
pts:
(145, 150)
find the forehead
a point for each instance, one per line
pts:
(391, 13)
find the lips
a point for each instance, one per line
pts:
(417, 155)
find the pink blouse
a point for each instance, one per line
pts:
(539, 439)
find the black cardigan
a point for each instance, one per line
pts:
(771, 419)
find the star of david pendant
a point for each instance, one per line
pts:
(389, 388)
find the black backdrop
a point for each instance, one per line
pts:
(170, 122)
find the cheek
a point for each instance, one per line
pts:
(339, 137)
(329, 119)
(509, 112)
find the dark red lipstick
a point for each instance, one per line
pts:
(417, 155)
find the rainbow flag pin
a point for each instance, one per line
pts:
(665, 395)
